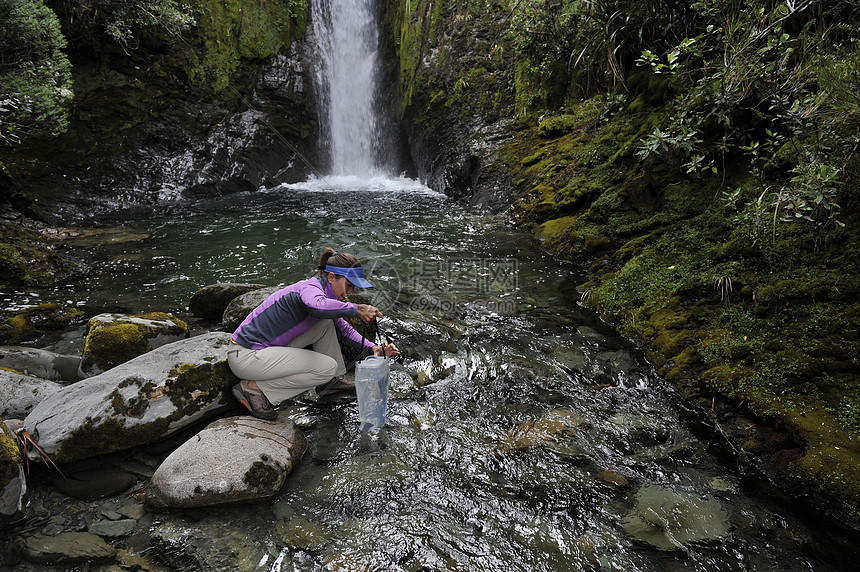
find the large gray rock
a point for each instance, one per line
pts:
(210, 301)
(40, 363)
(113, 339)
(13, 485)
(140, 401)
(19, 394)
(239, 308)
(234, 460)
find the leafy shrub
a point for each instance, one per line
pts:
(35, 75)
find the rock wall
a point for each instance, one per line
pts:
(456, 87)
(227, 107)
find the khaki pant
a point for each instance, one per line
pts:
(284, 372)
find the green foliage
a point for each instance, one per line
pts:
(125, 22)
(571, 49)
(35, 75)
(746, 83)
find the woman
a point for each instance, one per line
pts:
(267, 350)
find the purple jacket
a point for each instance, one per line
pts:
(293, 310)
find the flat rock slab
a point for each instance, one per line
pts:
(234, 460)
(68, 548)
(139, 402)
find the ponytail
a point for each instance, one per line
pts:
(331, 257)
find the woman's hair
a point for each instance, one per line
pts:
(330, 257)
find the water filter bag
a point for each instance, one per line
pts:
(371, 386)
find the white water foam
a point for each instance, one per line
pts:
(379, 183)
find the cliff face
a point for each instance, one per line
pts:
(456, 88)
(225, 107)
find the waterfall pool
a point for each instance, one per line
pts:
(524, 433)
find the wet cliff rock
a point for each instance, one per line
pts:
(227, 107)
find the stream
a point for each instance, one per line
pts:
(523, 433)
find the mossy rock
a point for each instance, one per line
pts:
(210, 301)
(33, 323)
(10, 455)
(12, 484)
(113, 339)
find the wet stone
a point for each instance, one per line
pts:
(302, 534)
(67, 548)
(613, 479)
(132, 510)
(669, 520)
(113, 528)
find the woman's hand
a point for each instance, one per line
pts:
(367, 312)
(389, 349)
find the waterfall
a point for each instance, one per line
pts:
(346, 40)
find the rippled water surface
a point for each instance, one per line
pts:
(523, 433)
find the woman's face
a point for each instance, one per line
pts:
(341, 286)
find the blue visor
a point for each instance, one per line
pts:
(354, 275)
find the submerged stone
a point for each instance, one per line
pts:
(669, 520)
(551, 427)
(94, 484)
(302, 534)
(68, 548)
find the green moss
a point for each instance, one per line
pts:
(723, 307)
(233, 30)
(10, 456)
(189, 387)
(109, 344)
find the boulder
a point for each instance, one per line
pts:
(40, 363)
(239, 308)
(234, 460)
(113, 339)
(13, 485)
(19, 394)
(138, 402)
(210, 301)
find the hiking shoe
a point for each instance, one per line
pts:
(337, 385)
(255, 401)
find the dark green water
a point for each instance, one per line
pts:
(524, 434)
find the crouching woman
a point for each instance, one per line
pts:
(268, 348)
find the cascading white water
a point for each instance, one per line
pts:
(346, 39)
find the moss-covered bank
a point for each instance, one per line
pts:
(764, 314)
(754, 317)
